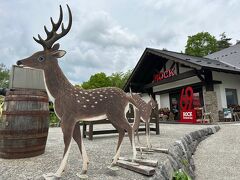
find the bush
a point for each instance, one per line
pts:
(181, 175)
(53, 121)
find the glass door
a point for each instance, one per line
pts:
(174, 105)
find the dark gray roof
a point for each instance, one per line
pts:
(230, 55)
(200, 62)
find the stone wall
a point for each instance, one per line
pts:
(211, 104)
(180, 154)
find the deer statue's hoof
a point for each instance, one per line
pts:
(82, 176)
(50, 176)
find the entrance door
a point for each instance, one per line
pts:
(174, 105)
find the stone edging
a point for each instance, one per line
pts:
(180, 154)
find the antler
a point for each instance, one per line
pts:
(53, 36)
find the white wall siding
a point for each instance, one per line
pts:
(217, 89)
(184, 69)
(164, 102)
(231, 81)
(158, 99)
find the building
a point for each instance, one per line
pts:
(165, 73)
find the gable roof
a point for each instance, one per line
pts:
(230, 55)
(151, 58)
(201, 62)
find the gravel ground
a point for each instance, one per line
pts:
(100, 151)
(218, 157)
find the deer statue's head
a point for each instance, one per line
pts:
(50, 53)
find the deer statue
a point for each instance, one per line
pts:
(145, 111)
(73, 105)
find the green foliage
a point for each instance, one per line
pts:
(185, 162)
(4, 76)
(223, 42)
(181, 175)
(201, 44)
(53, 118)
(98, 80)
(126, 77)
(119, 79)
(116, 79)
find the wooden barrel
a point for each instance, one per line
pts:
(24, 124)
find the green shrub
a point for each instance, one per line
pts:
(53, 121)
(53, 118)
(185, 162)
(181, 175)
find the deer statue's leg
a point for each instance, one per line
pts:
(136, 125)
(131, 138)
(78, 138)
(149, 146)
(67, 128)
(130, 130)
(118, 149)
(138, 139)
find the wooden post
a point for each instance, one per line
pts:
(84, 130)
(160, 150)
(156, 114)
(90, 131)
(145, 162)
(146, 170)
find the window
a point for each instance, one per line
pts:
(231, 95)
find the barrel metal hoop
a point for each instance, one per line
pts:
(37, 93)
(38, 99)
(26, 113)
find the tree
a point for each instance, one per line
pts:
(119, 79)
(201, 44)
(96, 81)
(116, 79)
(4, 76)
(224, 41)
(126, 77)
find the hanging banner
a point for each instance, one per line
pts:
(188, 114)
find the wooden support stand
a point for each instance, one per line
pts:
(145, 162)
(146, 170)
(144, 149)
(159, 150)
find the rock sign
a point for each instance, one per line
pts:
(72, 104)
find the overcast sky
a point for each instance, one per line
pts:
(111, 35)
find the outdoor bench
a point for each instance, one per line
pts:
(90, 130)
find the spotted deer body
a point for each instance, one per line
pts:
(145, 111)
(72, 104)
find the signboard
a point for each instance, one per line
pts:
(188, 114)
(164, 75)
(227, 113)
